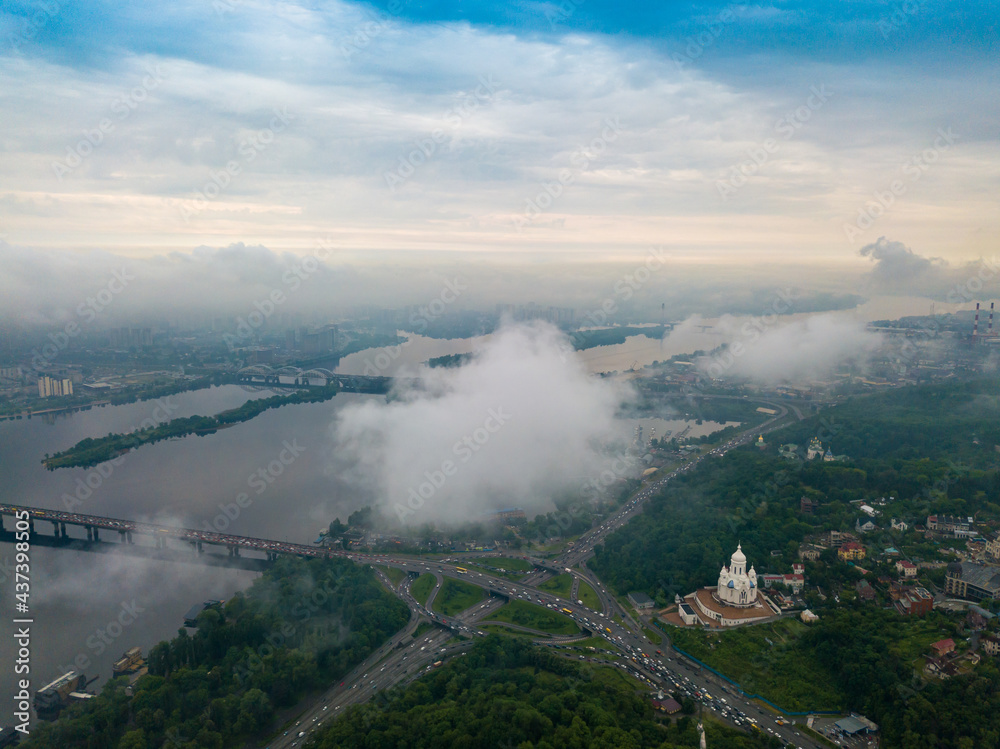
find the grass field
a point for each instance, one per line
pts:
(775, 670)
(396, 575)
(655, 638)
(422, 587)
(589, 597)
(560, 585)
(535, 617)
(594, 642)
(513, 575)
(502, 630)
(456, 596)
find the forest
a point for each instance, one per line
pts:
(508, 693)
(300, 627)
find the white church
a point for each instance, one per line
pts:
(736, 599)
(737, 587)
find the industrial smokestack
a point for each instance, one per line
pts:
(991, 318)
(975, 325)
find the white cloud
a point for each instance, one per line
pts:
(792, 351)
(520, 424)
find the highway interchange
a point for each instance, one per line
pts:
(405, 658)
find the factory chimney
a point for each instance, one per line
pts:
(975, 325)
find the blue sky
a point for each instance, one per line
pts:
(724, 132)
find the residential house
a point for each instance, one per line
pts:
(851, 550)
(990, 643)
(906, 569)
(943, 647)
(810, 552)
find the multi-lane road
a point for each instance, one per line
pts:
(405, 657)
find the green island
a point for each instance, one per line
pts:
(585, 339)
(90, 451)
(226, 684)
(449, 360)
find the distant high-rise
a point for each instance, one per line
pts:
(131, 337)
(49, 387)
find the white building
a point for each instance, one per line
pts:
(735, 600)
(737, 587)
(48, 387)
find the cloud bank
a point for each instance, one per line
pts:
(789, 352)
(520, 424)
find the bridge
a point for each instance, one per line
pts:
(261, 376)
(194, 540)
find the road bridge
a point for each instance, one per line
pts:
(264, 377)
(127, 530)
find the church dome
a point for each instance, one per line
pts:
(738, 556)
